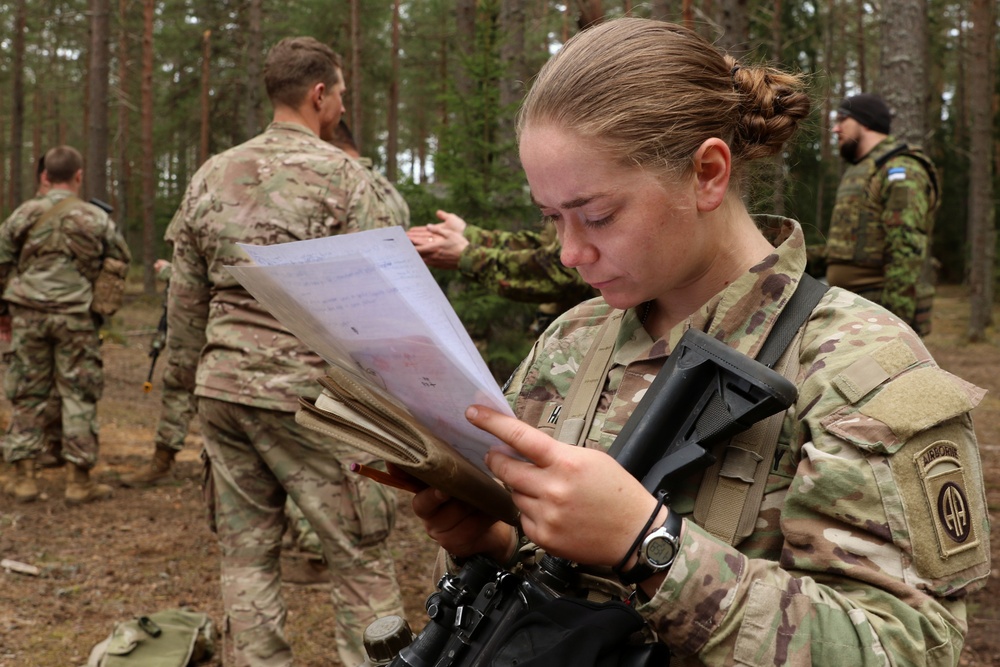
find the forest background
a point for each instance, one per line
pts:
(149, 89)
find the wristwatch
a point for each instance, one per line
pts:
(657, 552)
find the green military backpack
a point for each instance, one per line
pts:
(169, 638)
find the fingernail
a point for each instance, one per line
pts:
(471, 412)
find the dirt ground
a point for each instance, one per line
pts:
(150, 549)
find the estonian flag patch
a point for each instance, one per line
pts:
(897, 173)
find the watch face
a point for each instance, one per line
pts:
(660, 551)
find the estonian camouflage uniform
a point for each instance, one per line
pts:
(48, 271)
(524, 266)
(248, 373)
(873, 527)
(880, 233)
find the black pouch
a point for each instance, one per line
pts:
(567, 631)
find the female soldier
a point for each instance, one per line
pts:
(873, 526)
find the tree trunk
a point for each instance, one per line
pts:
(778, 166)
(392, 117)
(17, 111)
(148, 154)
(254, 49)
(591, 12)
(95, 173)
(355, 82)
(512, 25)
(206, 55)
(735, 24)
(825, 138)
(859, 28)
(121, 203)
(903, 71)
(982, 232)
(466, 37)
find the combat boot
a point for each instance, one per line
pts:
(22, 485)
(154, 471)
(81, 489)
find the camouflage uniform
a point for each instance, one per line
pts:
(48, 276)
(177, 404)
(881, 229)
(399, 211)
(524, 266)
(873, 526)
(248, 373)
(52, 413)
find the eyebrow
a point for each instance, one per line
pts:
(572, 203)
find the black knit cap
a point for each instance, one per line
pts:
(869, 110)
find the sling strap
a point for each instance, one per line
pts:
(581, 400)
(729, 497)
(732, 488)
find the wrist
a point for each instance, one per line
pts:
(654, 550)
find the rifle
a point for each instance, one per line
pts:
(705, 394)
(159, 341)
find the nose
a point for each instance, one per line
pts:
(576, 249)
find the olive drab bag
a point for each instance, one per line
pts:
(109, 287)
(168, 638)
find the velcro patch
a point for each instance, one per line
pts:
(897, 173)
(920, 399)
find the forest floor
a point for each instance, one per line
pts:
(145, 550)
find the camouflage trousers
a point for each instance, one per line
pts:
(256, 458)
(56, 361)
(177, 408)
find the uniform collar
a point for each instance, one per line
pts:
(744, 312)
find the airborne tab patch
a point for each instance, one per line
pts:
(940, 470)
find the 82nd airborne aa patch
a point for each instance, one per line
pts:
(939, 467)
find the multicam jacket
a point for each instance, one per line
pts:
(284, 185)
(873, 526)
(398, 208)
(51, 266)
(881, 227)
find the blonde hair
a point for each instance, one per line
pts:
(651, 92)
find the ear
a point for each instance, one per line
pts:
(316, 94)
(712, 165)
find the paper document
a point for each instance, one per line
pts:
(367, 303)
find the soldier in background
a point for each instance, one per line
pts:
(248, 372)
(521, 266)
(880, 233)
(177, 408)
(51, 456)
(342, 137)
(51, 251)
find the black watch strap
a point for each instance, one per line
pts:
(642, 569)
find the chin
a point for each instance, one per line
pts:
(620, 301)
